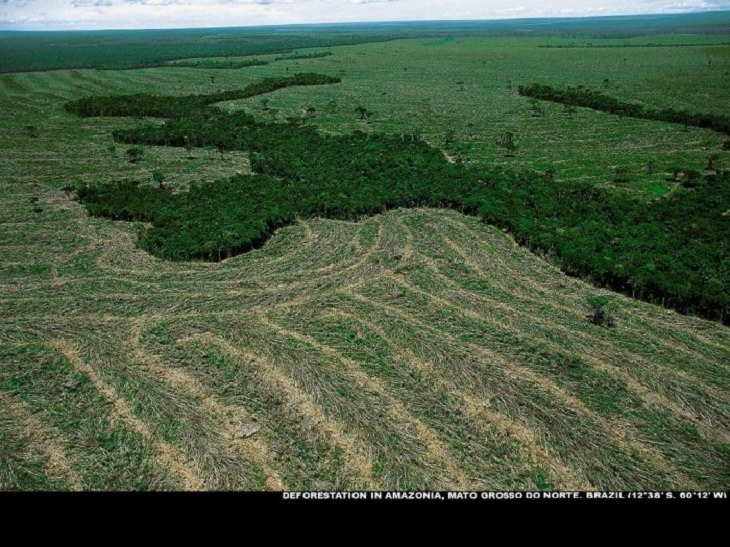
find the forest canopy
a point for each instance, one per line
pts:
(675, 250)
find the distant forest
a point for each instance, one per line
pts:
(23, 51)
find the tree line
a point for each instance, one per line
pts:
(589, 98)
(233, 64)
(219, 63)
(649, 44)
(161, 106)
(296, 56)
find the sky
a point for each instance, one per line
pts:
(118, 14)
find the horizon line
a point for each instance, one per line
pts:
(566, 18)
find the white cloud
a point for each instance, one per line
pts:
(89, 14)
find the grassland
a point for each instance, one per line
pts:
(415, 349)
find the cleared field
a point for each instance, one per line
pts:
(466, 86)
(417, 349)
(414, 349)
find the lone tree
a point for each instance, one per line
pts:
(188, 147)
(711, 159)
(621, 174)
(536, 109)
(507, 141)
(600, 311)
(159, 178)
(691, 178)
(461, 155)
(35, 202)
(135, 154)
(449, 138)
(362, 111)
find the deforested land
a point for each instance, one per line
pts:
(429, 256)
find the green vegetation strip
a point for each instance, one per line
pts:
(297, 56)
(219, 63)
(118, 50)
(585, 97)
(182, 107)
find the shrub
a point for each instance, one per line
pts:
(159, 178)
(135, 154)
(600, 311)
(621, 174)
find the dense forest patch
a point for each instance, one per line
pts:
(672, 251)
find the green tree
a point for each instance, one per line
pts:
(536, 109)
(362, 111)
(600, 310)
(188, 147)
(621, 174)
(506, 141)
(135, 154)
(35, 202)
(159, 178)
(691, 178)
(449, 138)
(711, 159)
